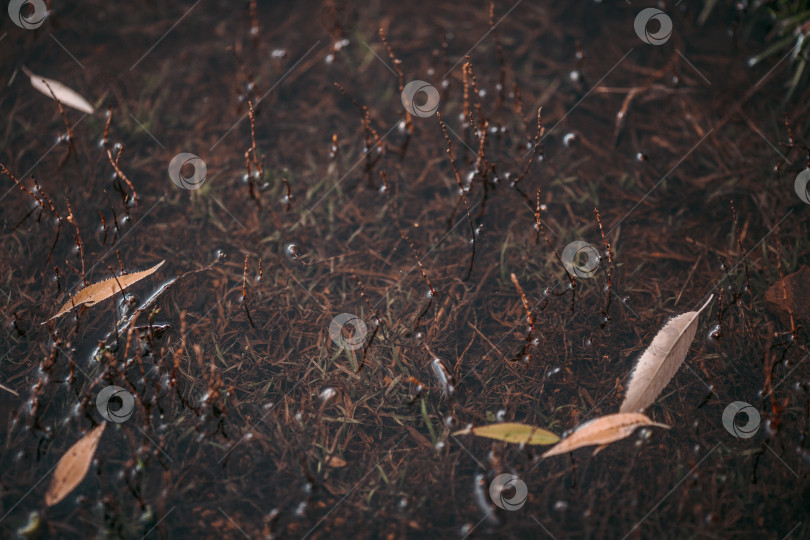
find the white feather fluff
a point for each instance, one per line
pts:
(661, 361)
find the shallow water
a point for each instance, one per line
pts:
(253, 417)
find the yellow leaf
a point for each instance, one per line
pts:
(73, 466)
(95, 293)
(513, 432)
(603, 430)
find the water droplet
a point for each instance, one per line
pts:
(278, 53)
(574, 75)
(500, 416)
(561, 506)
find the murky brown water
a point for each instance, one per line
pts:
(249, 419)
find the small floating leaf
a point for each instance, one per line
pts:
(513, 432)
(603, 430)
(73, 466)
(95, 293)
(65, 95)
(660, 361)
(334, 461)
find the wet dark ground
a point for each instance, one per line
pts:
(249, 420)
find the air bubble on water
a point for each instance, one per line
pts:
(482, 93)
(445, 83)
(569, 138)
(574, 75)
(291, 251)
(327, 394)
(769, 428)
(543, 207)
(561, 506)
(552, 372)
(298, 416)
(439, 445)
(714, 335)
(278, 53)
(329, 58)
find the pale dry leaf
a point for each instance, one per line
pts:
(73, 466)
(602, 431)
(661, 361)
(512, 432)
(65, 95)
(95, 293)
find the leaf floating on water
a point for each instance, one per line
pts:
(660, 361)
(512, 432)
(95, 293)
(73, 466)
(603, 430)
(334, 461)
(65, 95)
